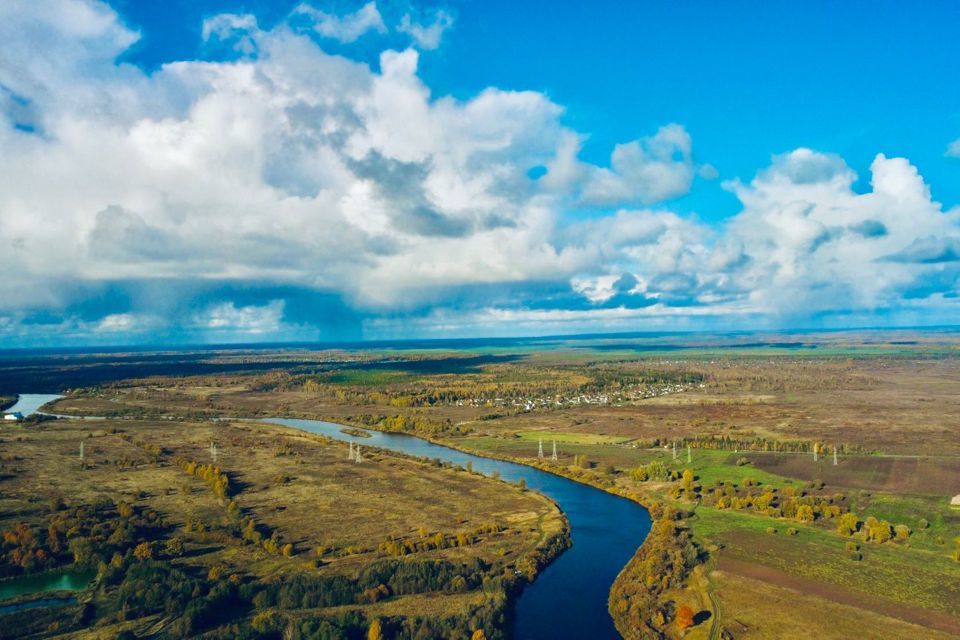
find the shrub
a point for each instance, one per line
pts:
(684, 617)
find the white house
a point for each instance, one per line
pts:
(13, 416)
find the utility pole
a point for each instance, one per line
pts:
(81, 453)
(816, 450)
(834, 455)
(674, 449)
(554, 456)
(350, 455)
(540, 450)
(358, 459)
(213, 451)
(688, 454)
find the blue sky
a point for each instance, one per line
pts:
(218, 171)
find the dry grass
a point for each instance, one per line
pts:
(759, 609)
(301, 486)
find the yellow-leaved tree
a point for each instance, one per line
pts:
(376, 630)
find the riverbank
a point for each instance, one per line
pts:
(292, 507)
(599, 551)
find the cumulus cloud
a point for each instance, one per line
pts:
(299, 193)
(426, 36)
(345, 28)
(643, 171)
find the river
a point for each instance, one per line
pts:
(569, 598)
(28, 403)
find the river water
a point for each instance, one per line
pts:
(569, 598)
(28, 403)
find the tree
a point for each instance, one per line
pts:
(174, 547)
(805, 513)
(684, 617)
(478, 635)
(82, 550)
(267, 622)
(143, 551)
(848, 524)
(376, 630)
(688, 478)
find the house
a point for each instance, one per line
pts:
(13, 416)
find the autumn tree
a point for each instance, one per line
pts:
(848, 524)
(376, 630)
(684, 617)
(143, 551)
(688, 479)
(478, 635)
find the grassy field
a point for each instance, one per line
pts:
(335, 513)
(891, 400)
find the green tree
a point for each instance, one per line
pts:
(174, 547)
(82, 550)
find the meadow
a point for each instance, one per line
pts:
(762, 415)
(292, 505)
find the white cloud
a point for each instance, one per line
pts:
(646, 170)
(238, 28)
(301, 170)
(346, 28)
(252, 319)
(953, 149)
(427, 36)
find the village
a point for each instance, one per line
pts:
(630, 394)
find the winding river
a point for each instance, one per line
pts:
(569, 598)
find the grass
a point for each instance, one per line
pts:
(902, 574)
(872, 390)
(298, 485)
(944, 521)
(569, 438)
(367, 377)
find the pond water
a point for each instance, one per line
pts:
(45, 583)
(569, 598)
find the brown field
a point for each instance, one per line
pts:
(773, 607)
(897, 404)
(927, 475)
(300, 486)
